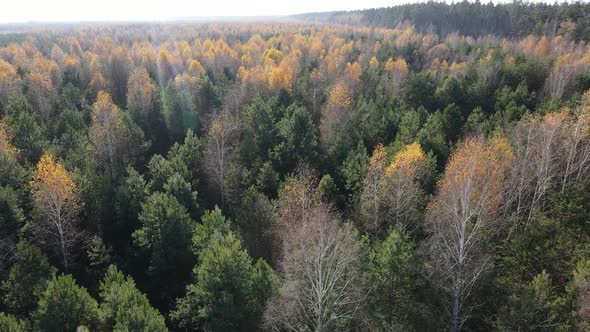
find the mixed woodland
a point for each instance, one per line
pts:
(397, 169)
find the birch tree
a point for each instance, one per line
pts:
(462, 218)
(56, 199)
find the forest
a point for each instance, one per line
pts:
(297, 174)
(475, 19)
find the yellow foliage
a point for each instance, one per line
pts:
(273, 54)
(502, 151)
(340, 97)
(6, 147)
(397, 66)
(378, 160)
(543, 47)
(476, 172)
(98, 83)
(374, 63)
(71, 63)
(6, 70)
(195, 68)
(51, 182)
(353, 71)
(407, 161)
(280, 78)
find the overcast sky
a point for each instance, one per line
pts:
(117, 10)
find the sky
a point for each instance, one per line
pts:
(16, 11)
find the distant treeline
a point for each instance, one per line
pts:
(475, 18)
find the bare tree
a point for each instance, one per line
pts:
(549, 153)
(322, 283)
(223, 132)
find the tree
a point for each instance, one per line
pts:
(165, 235)
(12, 324)
(56, 198)
(10, 82)
(182, 191)
(64, 306)
(142, 97)
(396, 72)
(130, 194)
(372, 202)
(254, 219)
(393, 192)
(41, 94)
(124, 308)
(179, 111)
(536, 307)
(462, 218)
(550, 152)
(298, 139)
(280, 78)
(322, 285)
(28, 134)
(405, 178)
(221, 139)
(581, 288)
(393, 271)
(212, 225)
(26, 280)
(6, 147)
(107, 133)
(230, 290)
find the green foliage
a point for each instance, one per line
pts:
(10, 323)
(298, 139)
(182, 191)
(394, 273)
(99, 255)
(433, 137)
(254, 219)
(268, 180)
(189, 154)
(261, 118)
(410, 124)
(161, 170)
(353, 170)
(536, 307)
(213, 225)
(64, 306)
(230, 291)
(12, 217)
(26, 280)
(376, 121)
(29, 138)
(124, 308)
(179, 112)
(165, 236)
(420, 91)
(130, 194)
(328, 189)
